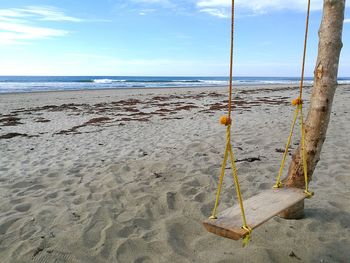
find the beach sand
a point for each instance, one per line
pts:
(129, 175)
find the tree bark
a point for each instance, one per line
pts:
(325, 84)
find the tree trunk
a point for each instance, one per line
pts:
(325, 84)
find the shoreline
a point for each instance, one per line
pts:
(163, 88)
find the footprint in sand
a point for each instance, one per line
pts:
(6, 224)
(22, 184)
(170, 199)
(200, 197)
(207, 208)
(52, 175)
(137, 251)
(313, 226)
(78, 200)
(143, 259)
(176, 239)
(180, 235)
(189, 191)
(27, 231)
(16, 201)
(52, 195)
(95, 232)
(126, 231)
(36, 187)
(45, 218)
(23, 207)
(264, 186)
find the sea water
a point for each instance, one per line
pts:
(10, 84)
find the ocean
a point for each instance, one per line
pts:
(10, 84)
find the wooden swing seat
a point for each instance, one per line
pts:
(258, 210)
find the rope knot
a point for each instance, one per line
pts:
(246, 239)
(225, 120)
(297, 101)
(308, 193)
(278, 184)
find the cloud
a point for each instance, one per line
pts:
(18, 25)
(15, 33)
(47, 13)
(347, 20)
(212, 7)
(222, 13)
(148, 11)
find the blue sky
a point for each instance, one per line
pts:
(159, 37)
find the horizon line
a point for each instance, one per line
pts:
(185, 76)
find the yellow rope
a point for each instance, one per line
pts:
(221, 178)
(304, 50)
(299, 109)
(278, 183)
(298, 102)
(239, 197)
(231, 59)
(238, 189)
(303, 147)
(228, 149)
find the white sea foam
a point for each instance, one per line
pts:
(28, 84)
(107, 81)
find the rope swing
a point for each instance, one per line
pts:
(298, 102)
(270, 202)
(226, 120)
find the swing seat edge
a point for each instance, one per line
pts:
(258, 210)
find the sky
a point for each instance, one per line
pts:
(160, 37)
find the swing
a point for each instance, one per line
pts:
(238, 221)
